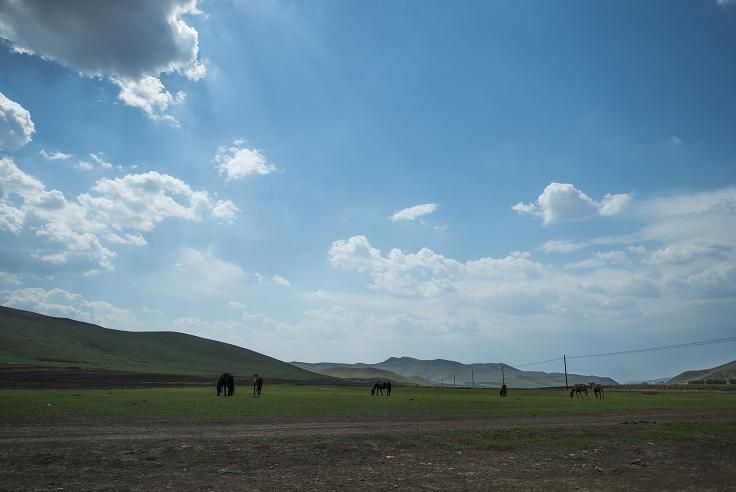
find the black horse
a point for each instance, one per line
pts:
(504, 391)
(380, 386)
(257, 384)
(226, 384)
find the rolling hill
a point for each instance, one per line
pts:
(724, 372)
(440, 371)
(30, 339)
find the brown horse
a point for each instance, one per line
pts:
(597, 390)
(579, 389)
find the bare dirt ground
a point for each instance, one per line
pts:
(548, 452)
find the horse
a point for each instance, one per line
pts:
(257, 385)
(597, 390)
(380, 386)
(578, 389)
(226, 384)
(504, 391)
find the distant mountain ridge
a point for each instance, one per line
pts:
(441, 371)
(370, 373)
(723, 372)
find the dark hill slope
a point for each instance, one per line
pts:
(726, 371)
(30, 339)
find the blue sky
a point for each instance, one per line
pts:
(328, 180)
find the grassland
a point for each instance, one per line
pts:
(339, 401)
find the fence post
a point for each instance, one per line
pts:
(564, 359)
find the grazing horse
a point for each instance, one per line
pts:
(226, 384)
(257, 384)
(579, 389)
(380, 386)
(504, 391)
(597, 390)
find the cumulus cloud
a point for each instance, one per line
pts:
(149, 95)
(55, 156)
(60, 302)
(413, 213)
(16, 126)
(425, 273)
(225, 211)
(236, 162)
(131, 42)
(114, 211)
(279, 280)
(563, 202)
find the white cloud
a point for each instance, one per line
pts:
(675, 140)
(98, 161)
(59, 302)
(562, 246)
(279, 280)
(206, 274)
(237, 162)
(55, 156)
(9, 279)
(132, 42)
(16, 126)
(237, 305)
(114, 211)
(149, 95)
(725, 3)
(562, 202)
(225, 211)
(425, 273)
(413, 213)
(600, 259)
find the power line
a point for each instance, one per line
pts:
(634, 351)
(535, 363)
(654, 349)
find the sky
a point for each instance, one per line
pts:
(349, 181)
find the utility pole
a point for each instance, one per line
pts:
(453, 380)
(472, 377)
(564, 359)
(443, 382)
(503, 378)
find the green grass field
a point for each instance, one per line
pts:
(305, 401)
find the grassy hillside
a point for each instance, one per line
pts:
(726, 371)
(440, 371)
(35, 340)
(369, 373)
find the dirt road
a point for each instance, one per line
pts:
(614, 451)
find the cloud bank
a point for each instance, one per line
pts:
(113, 212)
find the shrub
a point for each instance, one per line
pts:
(696, 381)
(715, 381)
